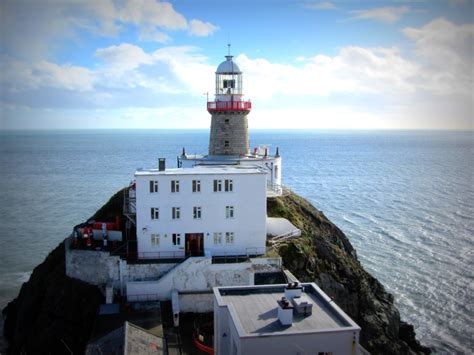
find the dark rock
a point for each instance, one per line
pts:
(52, 313)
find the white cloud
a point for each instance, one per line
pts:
(148, 12)
(123, 57)
(383, 14)
(202, 29)
(20, 76)
(153, 35)
(35, 29)
(446, 52)
(320, 5)
(352, 70)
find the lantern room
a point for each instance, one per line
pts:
(228, 81)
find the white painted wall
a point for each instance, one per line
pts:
(248, 199)
(272, 165)
(199, 274)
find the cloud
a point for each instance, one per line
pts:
(321, 5)
(352, 70)
(202, 29)
(37, 29)
(123, 57)
(153, 35)
(147, 12)
(382, 14)
(445, 50)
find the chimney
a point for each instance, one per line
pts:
(285, 311)
(293, 290)
(161, 164)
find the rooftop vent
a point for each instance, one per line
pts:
(292, 290)
(285, 311)
(161, 164)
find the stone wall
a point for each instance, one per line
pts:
(231, 128)
(99, 268)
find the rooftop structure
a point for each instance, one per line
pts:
(278, 319)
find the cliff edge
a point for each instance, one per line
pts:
(54, 313)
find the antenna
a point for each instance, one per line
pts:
(228, 50)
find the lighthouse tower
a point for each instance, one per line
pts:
(229, 136)
(229, 123)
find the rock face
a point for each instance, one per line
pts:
(54, 312)
(323, 254)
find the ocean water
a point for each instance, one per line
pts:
(405, 199)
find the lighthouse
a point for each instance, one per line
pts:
(229, 135)
(229, 123)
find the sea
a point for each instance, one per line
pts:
(405, 199)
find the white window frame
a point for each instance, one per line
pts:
(197, 212)
(176, 238)
(155, 213)
(229, 237)
(176, 213)
(217, 185)
(155, 240)
(228, 185)
(196, 186)
(174, 186)
(153, 186)
(229, 212)
(217, 238)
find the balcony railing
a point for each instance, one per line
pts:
(213, 106)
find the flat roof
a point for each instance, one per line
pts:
(228, 158)
(254, 310)
(203, 170)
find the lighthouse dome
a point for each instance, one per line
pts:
(228, 66)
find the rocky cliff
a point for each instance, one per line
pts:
(54, 313)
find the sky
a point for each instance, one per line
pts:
(306, 64)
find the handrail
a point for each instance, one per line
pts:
(229, 106)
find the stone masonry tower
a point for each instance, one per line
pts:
(229, 123)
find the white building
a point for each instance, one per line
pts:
(207, 210)
(255, 320)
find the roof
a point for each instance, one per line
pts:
(203, 170)
(228, 66)
(254, 310)
(279, 226)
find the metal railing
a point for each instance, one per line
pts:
(229, 106)
(274, 189)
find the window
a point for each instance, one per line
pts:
(176, 239)
(226, 144)
(155, 213)
(196, 185)
(226, 121)
(153, 186)
(176, 213)
(155, 240)
(174, 185)
(229, 237)
(229, 211)
(217, 185)
(229, 84)
(228, 185)
(197, 212)
(217, 238)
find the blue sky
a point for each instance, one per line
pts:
(307, 64)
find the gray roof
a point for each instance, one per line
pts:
(254, 310)
(228, 67)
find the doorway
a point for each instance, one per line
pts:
(194, 244)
